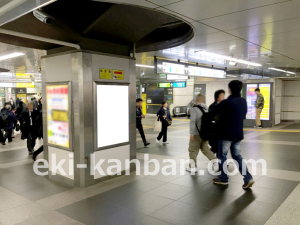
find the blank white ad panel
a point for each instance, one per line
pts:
(112, 115)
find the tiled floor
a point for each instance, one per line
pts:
(28, 199)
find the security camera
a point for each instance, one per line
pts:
(43, 17)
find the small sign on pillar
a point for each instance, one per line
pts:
(105, 74)
(118, 75)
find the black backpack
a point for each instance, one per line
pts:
(5, 119)
(206, 132)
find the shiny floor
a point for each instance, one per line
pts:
(26, 198)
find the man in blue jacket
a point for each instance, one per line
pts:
(9, 120)
(232, 113)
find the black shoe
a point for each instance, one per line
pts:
(30, 153)
(146, 144)
(3, 143)
(9, 141)
(249, 184)
(34, 156)
(217, 181)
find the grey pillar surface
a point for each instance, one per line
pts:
(81, 70)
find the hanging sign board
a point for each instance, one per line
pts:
(105, 74)
(118, 75)
(25, 85)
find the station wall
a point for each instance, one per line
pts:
(290, 100)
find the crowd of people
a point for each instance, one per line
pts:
(26, 118)
(215, 130)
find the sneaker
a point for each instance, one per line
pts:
(259, 127)
(255, 126)
(157, 141)
(146, 144)
(165, 142)
(193, 169)
(249, 184)
(217, 181)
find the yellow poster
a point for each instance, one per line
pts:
(58, 115)
(105, 74)
(23, 97)
(118, 75)
(265, 90)
(25, 85)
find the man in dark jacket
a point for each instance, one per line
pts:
(213, 142)
(232, 113)
(139, 116)
(9, 120)
(30, 128)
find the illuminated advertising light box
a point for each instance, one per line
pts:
(179, 84)
(112, 125)
(176, 77)
(265, 90)
(164, 85)
(58, 115)
(251, 99)
(205, 72)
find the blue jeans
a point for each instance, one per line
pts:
(235, 149)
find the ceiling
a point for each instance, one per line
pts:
(266, 32)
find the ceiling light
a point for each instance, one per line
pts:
(12, 55)
(231, 76)
(272, 68)
(146, 66)
(33, 73)
(230, 58)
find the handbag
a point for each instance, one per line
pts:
(169, 122)
(157, 125)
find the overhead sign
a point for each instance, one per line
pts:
(179, 84)
(176, 77)
(164, 85)
(22, 76)
(172, 85)
(118, 75)
(25, 85)
(205, 72)
(186, 69)
(105, 74)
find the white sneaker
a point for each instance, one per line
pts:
(216, 167)
(193, 169)
(165, 142)
(157, 141)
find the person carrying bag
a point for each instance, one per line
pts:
(165, 118)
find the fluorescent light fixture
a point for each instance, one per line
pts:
(272, 68)
(231, 76)
(146, 66)
(33, 73)
(229, 58)
(12, 55)
(232, 63)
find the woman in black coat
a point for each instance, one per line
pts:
(164, 116)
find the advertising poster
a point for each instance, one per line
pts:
(58, 115)
(265, 90)
(251, 99)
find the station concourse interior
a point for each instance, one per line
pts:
(88, 64)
